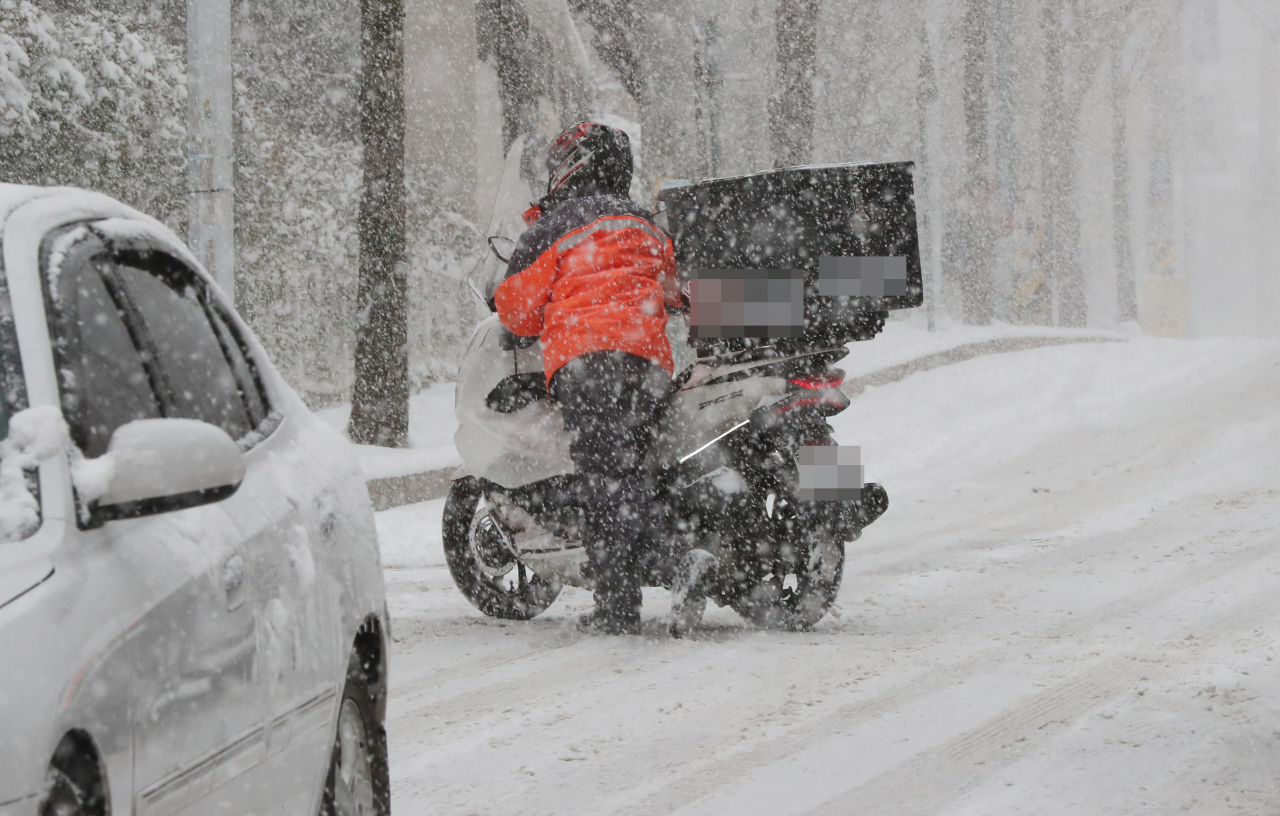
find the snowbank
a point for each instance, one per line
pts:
(902, 341)
(431, 428)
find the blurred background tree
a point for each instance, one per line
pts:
(1089, 162)
(93, 99)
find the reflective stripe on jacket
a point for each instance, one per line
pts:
(592, 275)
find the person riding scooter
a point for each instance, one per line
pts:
(593, 275)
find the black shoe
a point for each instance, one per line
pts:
(689, 591)
(600, 623)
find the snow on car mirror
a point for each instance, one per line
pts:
(501, 247)
(34, 434)
(158, 465)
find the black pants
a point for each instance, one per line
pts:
(610, 400)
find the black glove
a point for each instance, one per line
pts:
(868, 324)
(514, 342)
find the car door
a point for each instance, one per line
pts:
(196, 708)
(205, 371)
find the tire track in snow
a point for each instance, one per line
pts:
(701, 779)
(1045, 557)
(939, 776)
(453, 673)
(563, 671)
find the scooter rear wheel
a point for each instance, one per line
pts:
(794, 597)
(519, 594)
(793, 590)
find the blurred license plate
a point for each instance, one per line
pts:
(830, 473)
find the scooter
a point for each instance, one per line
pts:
(722, 470)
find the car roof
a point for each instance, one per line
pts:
(108, 212)
(13, 196)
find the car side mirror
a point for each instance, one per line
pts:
(159, 465)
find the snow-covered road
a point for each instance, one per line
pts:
(1071, 607)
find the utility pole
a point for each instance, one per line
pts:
(210, 150)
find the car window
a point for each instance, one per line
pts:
(247, 379)
(197, 380)
(103, 380)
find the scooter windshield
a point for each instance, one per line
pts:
(524, 180)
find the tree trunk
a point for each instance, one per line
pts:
(1267, 208)
(380, 398)
(1126, 285)
(1005, 113)
(665, 42)
(502, 34)
(925, 187)
(791, 111)
(614, 27)
(211, 145)
(1058, 135)
(976, 238)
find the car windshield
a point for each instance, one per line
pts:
(524, 180)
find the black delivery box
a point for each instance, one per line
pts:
(794, 255)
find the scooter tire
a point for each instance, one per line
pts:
(772, 601)
(496, 597)
(768, 604)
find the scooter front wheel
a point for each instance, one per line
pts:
(514, 594)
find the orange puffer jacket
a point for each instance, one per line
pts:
(594, 274)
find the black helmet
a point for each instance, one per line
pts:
(588, 159)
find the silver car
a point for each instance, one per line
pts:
(192, 613)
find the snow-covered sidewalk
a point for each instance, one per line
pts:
(432, 422)
(1070, 607)
(431, 429)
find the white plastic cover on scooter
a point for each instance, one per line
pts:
(528, 445)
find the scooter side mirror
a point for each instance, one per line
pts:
(501, 247)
